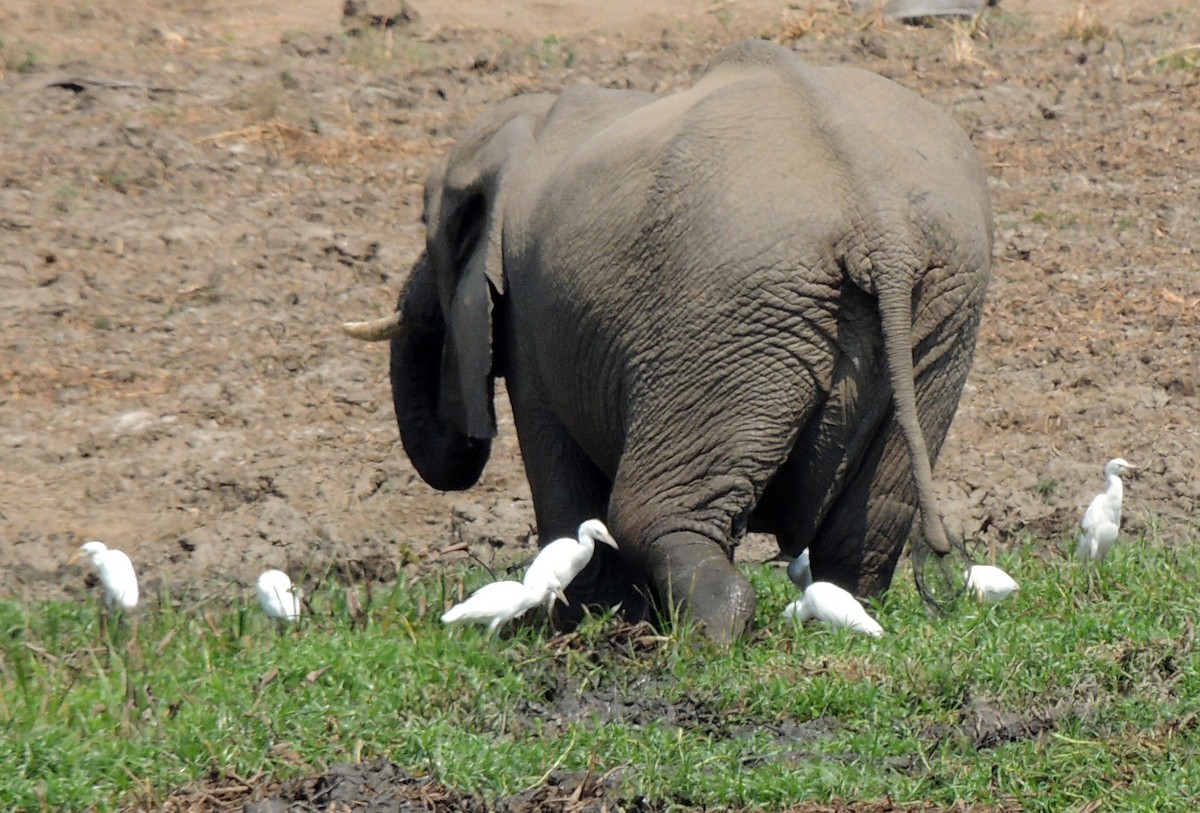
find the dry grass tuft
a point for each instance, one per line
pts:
(796, 23)
(1086, 26)
(963, 36)
(298, 143)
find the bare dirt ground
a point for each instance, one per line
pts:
(195, 193)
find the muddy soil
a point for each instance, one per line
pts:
(193, 196)
(383, 787)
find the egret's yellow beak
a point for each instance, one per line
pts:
(608, 540)
(75, 557)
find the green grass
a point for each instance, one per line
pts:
(19, 56)
(101, 715)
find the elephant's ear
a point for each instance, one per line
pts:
(465, 213)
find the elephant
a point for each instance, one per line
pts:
(748, 305)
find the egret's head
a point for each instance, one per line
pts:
(1118, 466)
(92, 549)
(596, 530)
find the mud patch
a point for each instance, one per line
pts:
(987, 725)
(383, 787)
(612, 678)
(983, 725)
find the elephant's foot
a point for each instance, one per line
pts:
(696, 578)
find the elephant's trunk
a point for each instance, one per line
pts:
(445, 458)
(895, 307)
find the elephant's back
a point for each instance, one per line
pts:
(893, 140)
(895, 151)
(649, 241)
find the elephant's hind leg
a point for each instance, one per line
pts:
(683, 525)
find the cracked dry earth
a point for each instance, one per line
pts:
(194, 195)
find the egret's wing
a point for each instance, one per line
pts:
(121, 576)
(545, 566)
(1098, 511)
(503, 599)
(471, 608)
(474, 606)
(557, 564)
(540, 575)
(991, 581)
(574, 564)
(456, 613)
(839, 608)
(1106, 537)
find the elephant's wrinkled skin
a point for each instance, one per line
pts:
(748, 305)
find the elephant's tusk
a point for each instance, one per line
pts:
(376, 330)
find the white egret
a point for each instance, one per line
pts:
(494, 604)
(116, 573)
(1102, 520)
(826, 602)
(558, 563)
(277, 596)
(989, 583)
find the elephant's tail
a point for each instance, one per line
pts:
(895, 306)
(935, 580)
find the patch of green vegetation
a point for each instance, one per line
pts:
(166, 113)
(1076, 690)
(20, 56)
(102, 323)
(1046, 487)
(65, 195)
(1057, 220)
(1186, 59)
(1001, 23)
(552, 51)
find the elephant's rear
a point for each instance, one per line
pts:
(843, 175)
(689, 312)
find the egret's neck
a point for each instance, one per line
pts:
(1116, 490)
